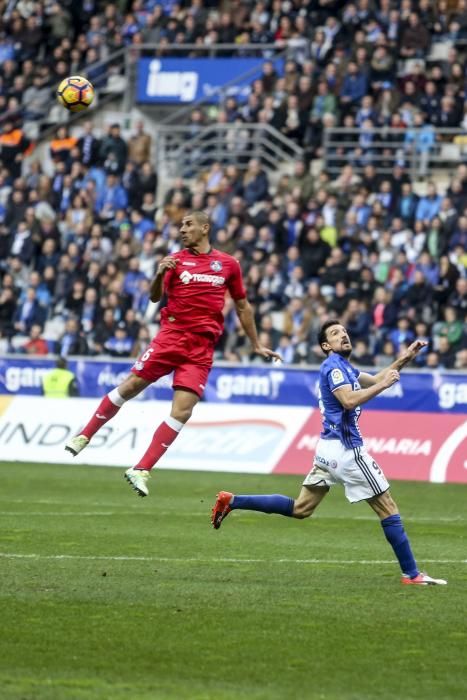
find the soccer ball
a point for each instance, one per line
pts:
(75, 93)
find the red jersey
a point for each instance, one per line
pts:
(196, 291)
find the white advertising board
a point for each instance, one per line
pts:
(243, 438)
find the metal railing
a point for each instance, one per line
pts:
(183, 152)
(115, 76)
(180, 115)
(421, 151)
(162, 50)
(108, 77)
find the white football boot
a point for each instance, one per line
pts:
(137, 478)
(76, 444)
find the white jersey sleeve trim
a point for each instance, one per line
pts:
(340, 387)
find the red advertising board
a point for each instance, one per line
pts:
(235, 438)
(411, 446)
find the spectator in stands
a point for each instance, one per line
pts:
(133, 277)
(13, 146)
(120, 344)
(297, 319)
(428, 207)
(419, 141)
(89, 310)
(445, 352)
(448, 116)
(255, 183)
(35, 99)
(75, 299)
(361, 354)
(432, 361)
(43, 292)
(313, 252)
(49, 255)
(415, 38)
(89, 145)
(103, 330)
(36, 345)
(178, 186)
(451, 327)
(386, 355)
(72, 341)
(403, 334)
(114, 197)
(461, 359)
(139, 145)
(357, 320)
(147, 179)
(28, 313)
(354, 87)
(61, 147)
(419, 294)
(114, 150)
(448, 278)
(8, 305)
(22, 244)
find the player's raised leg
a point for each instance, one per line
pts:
(107, 409)
(183, 404)
(386, 509)
(301, 507)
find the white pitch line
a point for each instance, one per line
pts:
(198, 514)
(219, 560)
(86, 514)
(101, 513)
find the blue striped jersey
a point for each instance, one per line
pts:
(338, 423)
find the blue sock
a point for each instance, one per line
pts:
(397, 538)
(282, 505)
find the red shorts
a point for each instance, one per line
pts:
(188, 355)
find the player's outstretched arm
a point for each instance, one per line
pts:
(245, 315)
(351, 399)
(156, 288)
(411, 352)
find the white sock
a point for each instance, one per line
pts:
(174, 423)
(116, 398)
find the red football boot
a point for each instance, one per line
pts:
(221, 508)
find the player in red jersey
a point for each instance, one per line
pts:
(195, 281)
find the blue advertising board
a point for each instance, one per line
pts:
(185, 80)
(439, 391)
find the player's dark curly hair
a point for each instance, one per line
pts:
(322, 335)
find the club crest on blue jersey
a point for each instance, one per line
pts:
(216, 265)
(337, 376)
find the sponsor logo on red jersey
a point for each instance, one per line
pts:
(188, 277)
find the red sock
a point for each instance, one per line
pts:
(105, 411)
(161, 440)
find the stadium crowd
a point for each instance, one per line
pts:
(343, 67)
(78, 247)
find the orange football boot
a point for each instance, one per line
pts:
(422, 580)
(221, 508)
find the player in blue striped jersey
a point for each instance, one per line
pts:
(338, 422)
(341, 457)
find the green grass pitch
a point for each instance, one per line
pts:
(105, 595)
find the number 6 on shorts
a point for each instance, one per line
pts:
(147, 354)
